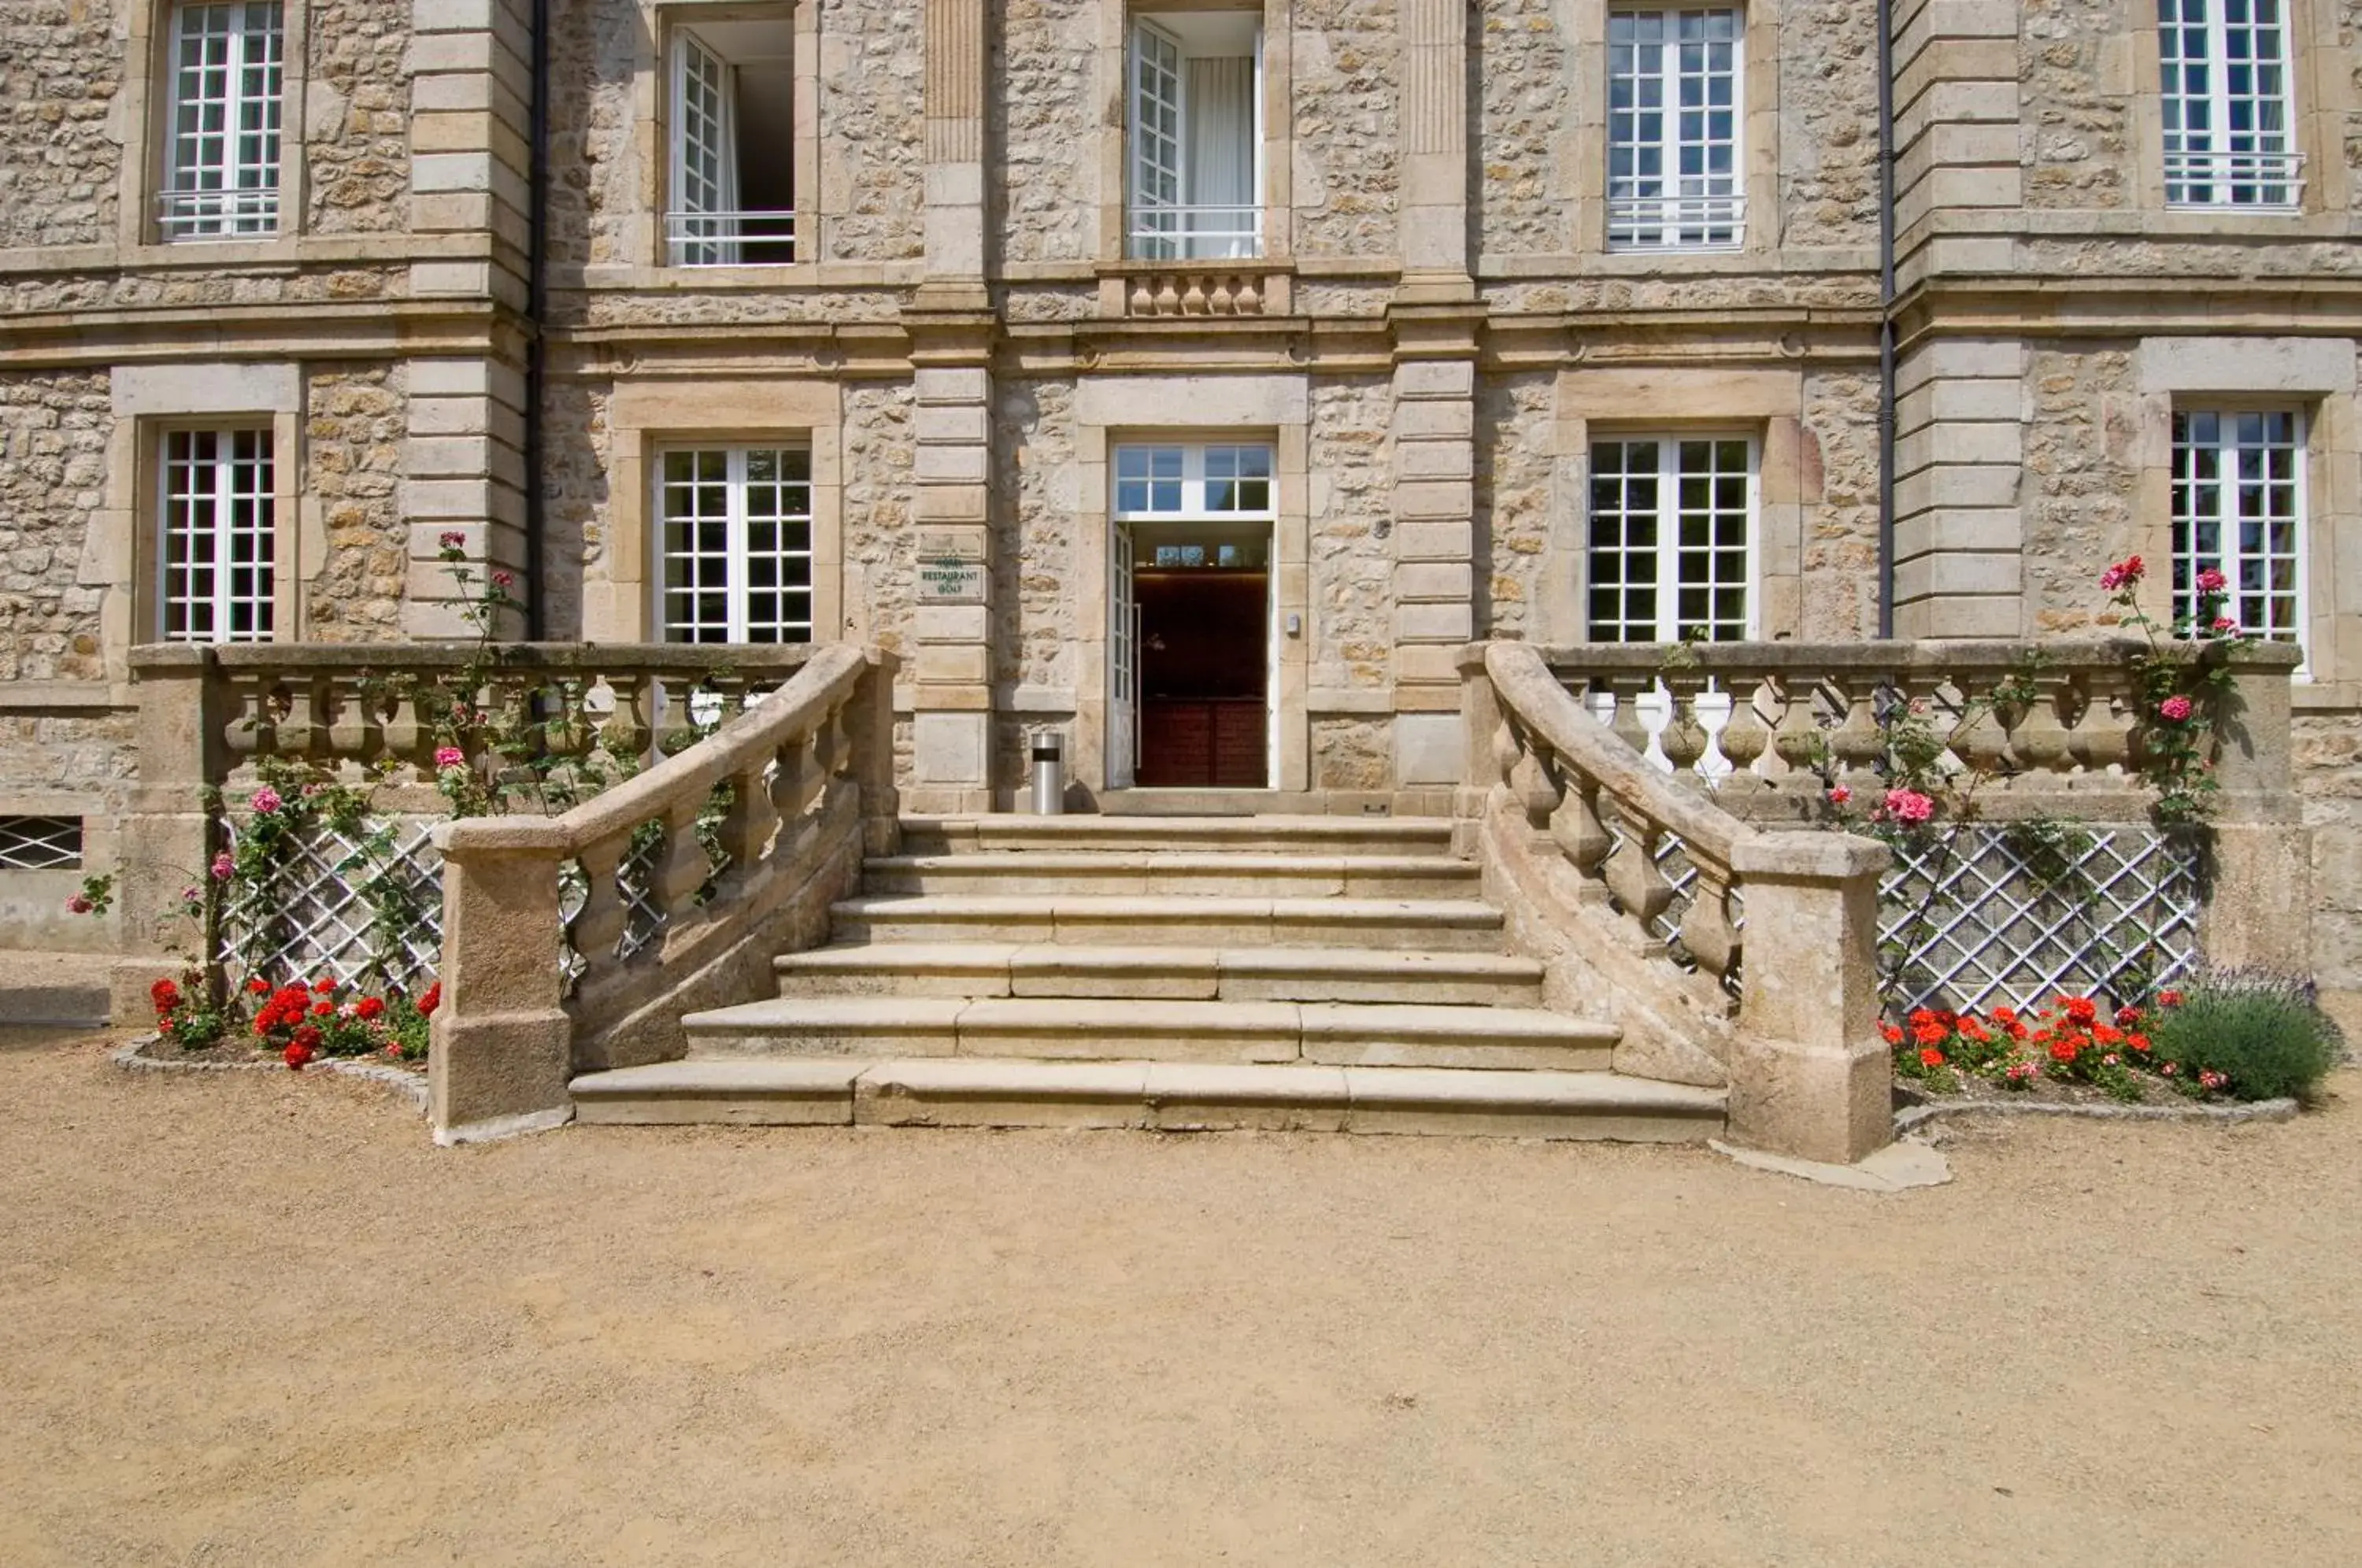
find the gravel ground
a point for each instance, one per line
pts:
(257, 1319)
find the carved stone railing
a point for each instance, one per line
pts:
(1769, 725)
(1571, 817)
(802, 782)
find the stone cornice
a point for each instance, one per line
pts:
(360, 329)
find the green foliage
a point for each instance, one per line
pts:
(2263, 1033)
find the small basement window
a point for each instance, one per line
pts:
(40, 844)
(732, 193)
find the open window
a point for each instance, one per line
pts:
(1673, 121)
(1195, 152)
(733, 181)
(2228, 120)
(221, 152)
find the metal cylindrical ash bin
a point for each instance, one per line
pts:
(1049, 775)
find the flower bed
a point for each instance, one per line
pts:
(295, 1025)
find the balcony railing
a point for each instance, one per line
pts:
(2234, 178)
(1676, 223)
(1159, 232)
(731, 239)
(218, 214)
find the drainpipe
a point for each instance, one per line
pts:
(536, 355)
(1885, 318)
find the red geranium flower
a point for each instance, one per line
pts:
(308, 1038)
(430, 1000)
(2127, 1016)
(1929, 1033)
(295, 1056)
(323, 985)
(1894, 1034)
(2063, 1050)
(2168, 998)
(257, 984)
(323, 1009)
(2082, 1009)
(165, 995)
(1931, 1057)
(369, 1008)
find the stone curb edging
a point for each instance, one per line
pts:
(1912, 1118)
(410, 1086)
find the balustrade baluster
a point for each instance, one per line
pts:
(253, 730)
(401, 734)
(352, 725)
(1744, 738)
(682, 865)
(1857, 746)
(599, 927)
(1633, 875)
(2039, 740)
(1707, 930)
(1577, 831)
(1627, 725)
(2099, 740)
(1531, 782)
(1796, 739)
(1682, 739)
(750, 821)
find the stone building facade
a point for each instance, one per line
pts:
(1434, 321)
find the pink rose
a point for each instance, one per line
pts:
(1909, 806)
(2175, 709)
(1840, 795)
(2212, 582)
(266, 800)
(503, 580)
(450, 756)
(2122, 574)
(452, 539)
(2224, 625)
(77, 904)
(223, 866)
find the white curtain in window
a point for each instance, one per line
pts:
(1221, 155)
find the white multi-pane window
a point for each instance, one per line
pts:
(2228, 126)
(737, 538)
(1673, 176)
(1195, 137)
(219, 557)
(1193, 481)
(1672, 529)
(2238, 506)
(732, 164)
(221, 174)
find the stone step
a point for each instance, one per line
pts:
(1331, 1034)
(1437, 924)
(1139, 874)
(1164, 1096)
(1186, 974)
(1002, 832)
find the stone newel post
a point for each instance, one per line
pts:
(2260, 886)
(503, 1044)
(1809, 1074)
(167, 836)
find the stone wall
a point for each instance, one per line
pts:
(872, 127)
(1346, 59)
(1838, 586)
(2328, 757)
(357, 126)
(1047, 118)
(177, 290)
(576, 509)
(60, 72)
(1516, 499)
(880, 457)
(595, 188)
(354, 422)
(2079, 492)
(1352, 559)
(1524, 104)
(1828, 128)
(54, 431)
(1034, 548)
(2074, 135)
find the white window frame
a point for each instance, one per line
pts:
(2266, 174)
(188, 480)
(1160, 228)
(2229, 518)
(1667, 550)
(222, 175)
(1191, 472)
(1707, 211)
(736, 555)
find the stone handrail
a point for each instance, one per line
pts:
(377, 705)
(809, 775)
(1806, 1070)
(1761, 721)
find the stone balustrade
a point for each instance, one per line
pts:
(1769, 725)
(802, 780)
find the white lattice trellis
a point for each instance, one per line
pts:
(2108, 911)
(40, 844)
(350, 905)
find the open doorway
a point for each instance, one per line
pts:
(1190, 632)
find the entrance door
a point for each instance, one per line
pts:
(1204, 655)
(1123, 664)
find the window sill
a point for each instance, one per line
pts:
(793, 277)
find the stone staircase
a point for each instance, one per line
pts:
(1182, 974)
